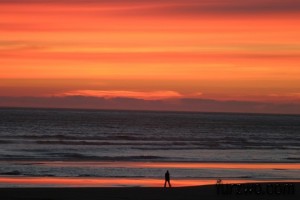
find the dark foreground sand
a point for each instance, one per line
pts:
(184, 193)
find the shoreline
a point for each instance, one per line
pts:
(159, 164)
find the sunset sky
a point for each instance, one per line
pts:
(154, 51)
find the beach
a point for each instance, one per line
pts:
(150, 193)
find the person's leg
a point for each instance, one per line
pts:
(165, 183)
(169, 183)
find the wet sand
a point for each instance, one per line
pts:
(151, 193)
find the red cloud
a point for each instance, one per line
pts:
(108, 94)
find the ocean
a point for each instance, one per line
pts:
(97, 144)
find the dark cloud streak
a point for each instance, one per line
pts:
(187, 7)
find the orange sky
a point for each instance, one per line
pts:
(222, 50)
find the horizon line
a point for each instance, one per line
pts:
(143, 110)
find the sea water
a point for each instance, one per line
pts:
(95, 143)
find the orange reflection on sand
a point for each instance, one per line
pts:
(97, 182)
(107, 182)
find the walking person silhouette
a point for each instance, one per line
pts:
(167, 179)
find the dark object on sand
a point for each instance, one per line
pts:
(167, 179)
